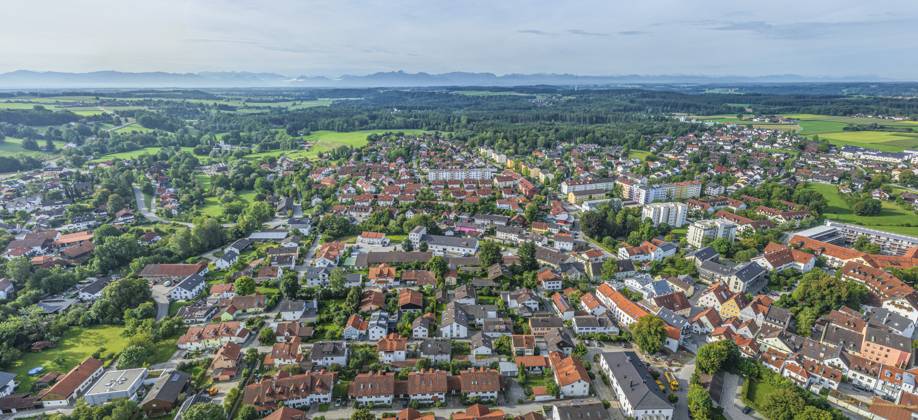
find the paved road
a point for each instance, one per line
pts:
(161, 297)
(142, 206)
(729, 399)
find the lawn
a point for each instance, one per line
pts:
(886, 141)
(132, 128)
(324, 141)
(831, 128)
(13, 147)
(490, 93)
(128, 155)
(891, 219)
(758, 392)
(638, 154)
(76, 345)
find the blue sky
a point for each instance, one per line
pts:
(710, 37)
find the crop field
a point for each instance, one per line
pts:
(891, 219)
(832, 129)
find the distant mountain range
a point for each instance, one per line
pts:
(27, 79)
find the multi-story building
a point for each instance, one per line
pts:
(634, 387)
(708, 230)
(461, 174)
(673, 214)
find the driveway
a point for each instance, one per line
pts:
(730, 401)
(161, 297)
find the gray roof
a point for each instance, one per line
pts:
(480, 340)
(749, 272)
(327, 349)
(815, 350)
(634, 379)
(704, 254)
(290, 305)
(167, 388)
(191, 282)
(452, 313)
(435, 347)
(883, 317)
(96, 286)
(672, 318)
(582, 411)
(885, 337)
(317, 272)
(716, 268)
(451, 241)
(6, 377)
(778, 316)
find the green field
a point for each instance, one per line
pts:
(76, 345)
(144, 151)
(832, 129)
(324, 141)
(638, 154)
(214, 208)
(132, 128)
(892, 218)
(128, 155)
(490, 93)
(12, 146)
(759, 390)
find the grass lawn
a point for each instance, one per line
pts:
(76, 345)
(132, 128)
(214, 208)
(163, 350)
(891, 219)
(128, 155)
(324, 141)
(886, 141)
(831, 128)
(490, 93)
(758, 392)
(638, 154)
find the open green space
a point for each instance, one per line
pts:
(324, 141)
(891, 219)
(132, 128)
(128, 155)
(638, 154)
(832, 129)
(12, 146)
(758, 392)
(490, 93)
(76, 345)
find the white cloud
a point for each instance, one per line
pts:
(817, 37)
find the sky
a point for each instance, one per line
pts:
(832, 38)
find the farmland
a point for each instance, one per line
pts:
(891, 219)
(896, 138)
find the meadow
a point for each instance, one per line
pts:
(832, 129)
(76, 345)
(892, 218)
(324, 141)
(12, 146)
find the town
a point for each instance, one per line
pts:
(712, 269)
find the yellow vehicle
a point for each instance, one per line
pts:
(673, 382)
(213, 391)
(660, 384)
